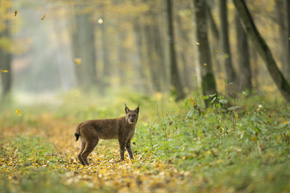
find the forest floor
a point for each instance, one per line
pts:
(178, 147)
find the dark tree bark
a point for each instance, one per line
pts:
(207, 77)
(243, 57)
(262, 48)
(84, 48)
(224, 37)
(174, 75)
(287, 38)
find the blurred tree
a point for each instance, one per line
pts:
(174, 75)
(287, 65)
(262, 48)
(245, 73)
(106, 60)
(207, 77)
(83, 43)
(5, 47)
(225, 46)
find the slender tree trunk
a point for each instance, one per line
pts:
(84, 48)
(5, 63)
(224, 37)
(243, 57)
(207, 77)
(287, 65)
(262, 48)
(106, 59)
(174, 75)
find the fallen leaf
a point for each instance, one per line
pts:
(4, 71)
(43, 17)
(15, 12)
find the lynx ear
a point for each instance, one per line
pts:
(126, 109)
(137, 109)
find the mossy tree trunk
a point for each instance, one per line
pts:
(207, 77)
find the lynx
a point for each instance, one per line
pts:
(122, 128)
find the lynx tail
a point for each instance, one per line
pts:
(77, 133)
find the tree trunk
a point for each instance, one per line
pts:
(225, 46)
(174, 75)
(262, 48)
(207, 77)
(243, 57)
(84, 48)
(287, 38)
(5, 64)
(105, 50)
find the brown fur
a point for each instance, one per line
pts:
(122, 128)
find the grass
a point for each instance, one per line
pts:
(178, 146)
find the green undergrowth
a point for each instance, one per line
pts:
(242, 147)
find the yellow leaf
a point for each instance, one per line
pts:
(169, 134)
(18, 112)
(100, 21)
(15, 12)
(217, 51)
(236, 115)
(208, 152)
(4, 71)
(192, 101)
(253, 138)
(78, 61)
(197, 43)
(285, 122)
(289, 38)
(205, 64)
(43, 17)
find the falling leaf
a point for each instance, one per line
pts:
(15, 12)
(197, 43)
(18, 112)
(205, 64)
(100, 21)
(217, 51)
(43, 17)
(78, 61)
(4, 71)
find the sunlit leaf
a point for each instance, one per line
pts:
(78, 61)
(192, 101)
(4, 71)
(43, 17)
(197, 43)
(18, 112)
(100, 21)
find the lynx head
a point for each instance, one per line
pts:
(131, 115)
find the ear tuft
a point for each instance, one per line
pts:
(137, 109)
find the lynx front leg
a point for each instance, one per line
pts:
(129, 150)
(122, 150)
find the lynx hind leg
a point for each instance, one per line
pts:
(88, 149)
(83, 144)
